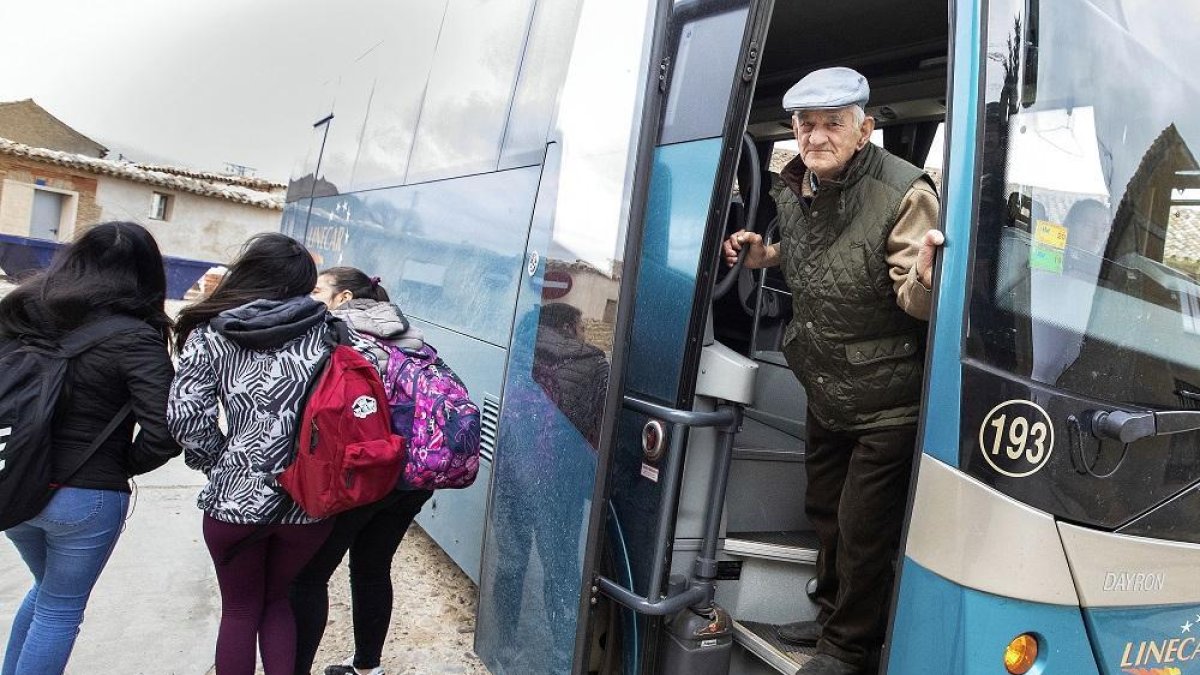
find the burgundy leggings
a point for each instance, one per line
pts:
(254, 592)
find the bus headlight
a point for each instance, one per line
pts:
(1020, 654)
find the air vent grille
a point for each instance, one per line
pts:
(490, 427)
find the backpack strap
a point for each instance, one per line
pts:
(79, 341)
(91, 334)
(98, 441)
(339, 332)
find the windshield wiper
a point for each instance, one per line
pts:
(1118, 425)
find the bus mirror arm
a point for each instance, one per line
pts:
(1126, 427)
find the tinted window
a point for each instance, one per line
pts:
(386, 141)
(543, 69)
(449, 252)
(470, 88)
(1085, 269)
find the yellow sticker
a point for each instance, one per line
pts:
(1050, 234)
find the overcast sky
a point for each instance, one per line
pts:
(195, 83)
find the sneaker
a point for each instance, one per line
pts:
(343, 669)
(824, 664)
(800, 633)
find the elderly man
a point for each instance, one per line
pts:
(857, 249)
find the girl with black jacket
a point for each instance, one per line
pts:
(112, 269)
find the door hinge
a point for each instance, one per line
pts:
(751, 64)
(664, 73)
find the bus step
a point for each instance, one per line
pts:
(760, 639)
(797, 546)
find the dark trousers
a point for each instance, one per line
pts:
(254, 591)
(371, 534)
(857, 489)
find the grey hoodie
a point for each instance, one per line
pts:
(383, 321)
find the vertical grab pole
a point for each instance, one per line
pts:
(705, 569)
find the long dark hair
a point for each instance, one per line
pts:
(271, 266)
(112, 268)
(357, 282)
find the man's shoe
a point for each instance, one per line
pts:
(800, 633)
(824, 664)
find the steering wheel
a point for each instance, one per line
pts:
(749, 175)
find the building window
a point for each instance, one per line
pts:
(160, 206)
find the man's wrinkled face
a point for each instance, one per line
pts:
(828, 139)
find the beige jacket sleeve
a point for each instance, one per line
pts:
(918, 214)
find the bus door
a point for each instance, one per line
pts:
(712, 55)
(1054, 520)
(564, 363)
(695, 342)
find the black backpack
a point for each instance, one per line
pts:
(32, 373)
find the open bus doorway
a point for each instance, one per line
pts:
(767, 550)
(903, 53)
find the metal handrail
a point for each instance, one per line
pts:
(702, 589)
(687, 418)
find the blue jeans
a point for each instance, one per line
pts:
(65, 547)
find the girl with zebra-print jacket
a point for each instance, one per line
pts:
(249, 350)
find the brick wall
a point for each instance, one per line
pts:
(18, 176)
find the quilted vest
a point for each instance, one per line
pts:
(859, 356)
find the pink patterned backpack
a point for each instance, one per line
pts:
(431, 408)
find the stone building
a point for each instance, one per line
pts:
(51, 195)
(54, 181)
(28, 123)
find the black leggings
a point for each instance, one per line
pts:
(371, 534)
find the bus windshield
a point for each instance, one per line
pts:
(1086, 269)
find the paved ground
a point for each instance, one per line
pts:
(155, 610)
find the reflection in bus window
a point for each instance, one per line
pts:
(572, 372)
(1087, 236)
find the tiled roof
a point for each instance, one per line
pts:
(261, 184)
(1183, 236)
(221, 189)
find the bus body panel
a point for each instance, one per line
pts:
(542, 519)
(543, 479)
(1146, 640)
(453, 517)
(948, 628)
(445, 251)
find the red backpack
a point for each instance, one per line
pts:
(346, 453)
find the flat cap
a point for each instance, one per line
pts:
(828, 88)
